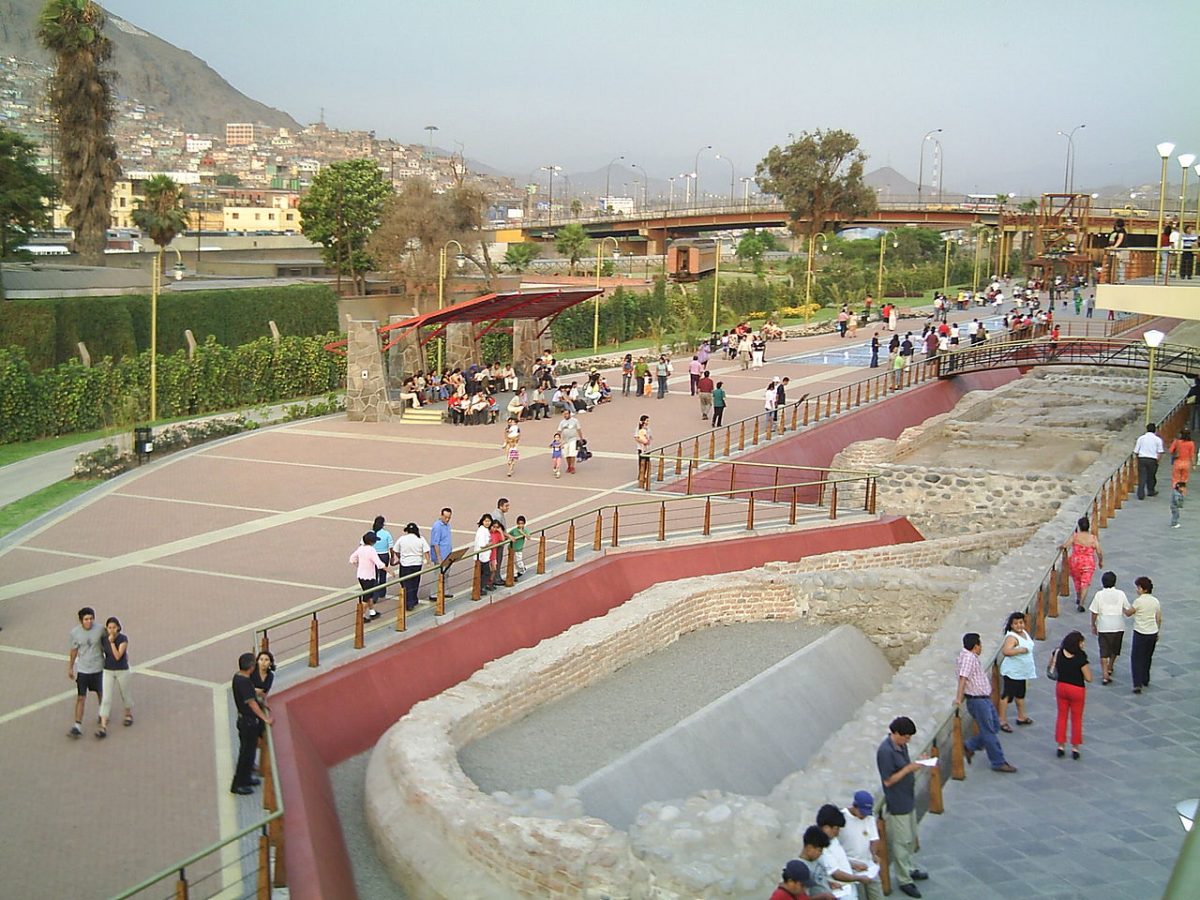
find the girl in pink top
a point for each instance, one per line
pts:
(366, 560)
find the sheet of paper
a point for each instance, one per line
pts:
(871, 871)
(929, 763)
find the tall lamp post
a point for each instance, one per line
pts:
(596, 306)
(882, 244)
(1197, 168)
(1165, 149)
(430, 129)
(746, 191)
(552, 170)
(812, 244)
(1185, 163)
(939, 167)
(671, 193)
(459, 259)
(946, 266)
(979, 246)
(645, 182)
(696, 173)
(1152, 338)
(732, 177)
(716, 285)
(608, 178)
(1069, 168)
(921, 164)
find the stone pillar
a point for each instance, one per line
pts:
(366, 387)
(461, 347)
(527, 346)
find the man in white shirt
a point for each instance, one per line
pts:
(860, 839)
(1149, 447)
(1108, 622)
(843, 874)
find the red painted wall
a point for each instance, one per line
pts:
(344, 712)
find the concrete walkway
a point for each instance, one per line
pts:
(1105, 825)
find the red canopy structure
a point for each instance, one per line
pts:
(489, 311)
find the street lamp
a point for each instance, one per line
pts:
(882, 245)
(716, 284)
(1152, 338)
(1165, 149)
(949, 239)
(812, 241)
(607, 179)
(746, 191)
(459, 259)
(696, 173)
(671, 193)
(552, 170)
(1069, 169)
(430, 129)
(596, 307)
(921, 165)
(732, 177)
(645, 182)
(939, 167)
(1185, 162)
(978, 247)
(687, 188)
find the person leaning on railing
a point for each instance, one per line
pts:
(251, 718)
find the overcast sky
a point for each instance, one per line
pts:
(524, 83)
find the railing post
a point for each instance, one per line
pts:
(885, 860)
(958, 771)
(263, 881)
(181, 886)
(873, 487)
(440, 607)
(828, 405)
(541, 566)
(712, 446)
(775, 487)
(727, 436)
(662, 463)
(732, 478)
(756, 431)
(570, 557)
(696, 448)
(833, 502)
(795, 414)
(858, 395)
(839, 401)
(477, 581)
(821, 492)
(707, 516)
(936, 804)
(691, 469)
(1040, 625)
(269, 802)
(1052, 593)
(678, 458)
(806, 412)
(750, 513)
(314, 638)
(995, 679)
(276, 831)
(598, 538)
(510, 566)
(616, 526)
(265, 645)
(1064, 575)
(402, 609)
(770, 426)
(662, 521)
(792, 509)
(742, 435)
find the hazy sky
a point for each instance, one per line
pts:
(523, 83)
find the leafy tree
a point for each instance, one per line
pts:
(576, 207)
(228, 179)
(572, 242)
(750, 248)
(519, 256)
(1029, 206)
(340, 210)
(160, 213)
(24, 195)
(81, 97)
(819, 178)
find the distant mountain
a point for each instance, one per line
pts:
(178, 84)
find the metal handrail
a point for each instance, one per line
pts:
(178, 870)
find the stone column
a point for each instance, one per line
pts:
(366, 387)
(527, 346)
(461, 347)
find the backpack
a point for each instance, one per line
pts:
(1052, 666)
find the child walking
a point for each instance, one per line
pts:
(519, 536)
(556, 453)
(512, 437)
(1177, 497)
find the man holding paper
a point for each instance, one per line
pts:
(860, 839)
(898, 774)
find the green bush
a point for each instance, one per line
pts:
(69, 397)
(49, 331)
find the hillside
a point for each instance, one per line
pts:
(180, 85)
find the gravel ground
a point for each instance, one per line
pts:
(564, 741)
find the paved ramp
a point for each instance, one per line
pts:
(749, 739)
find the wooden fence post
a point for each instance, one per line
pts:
(1064, 575)
(958, 771)
(833, 502)
(678, 458)
(510, 575)
(264, 645)
(707, 516)
(477, 581)
(712, 445)
(795, 414)
(755, 441)
(662, 521)
(359, 623)
(662, 462)
(440, 607)
(598, 538)
(314, 637)
(792, 509)
(696, 448)
(616, 526)
(750, 513)
(839, 401)
(1040, 625)
(1052, 593)
(775, 487)
(570, 557)
(263, 879)
(276, 830)
(742, 436)
(806, 412)
(936, 804)
(995, 678)
(727, 436)
(872, 490)
(181, 886)
(402, 612)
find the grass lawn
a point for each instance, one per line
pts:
(29, 508)
(11, 453)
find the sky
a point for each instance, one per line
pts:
(525, 83)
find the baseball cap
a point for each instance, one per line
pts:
(864, 802)
(796, 870)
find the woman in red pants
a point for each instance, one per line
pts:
(1073, 672)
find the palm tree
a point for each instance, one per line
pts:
(81, 97)
(162, 216)
(571, 241)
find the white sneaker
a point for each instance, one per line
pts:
(1176, 525)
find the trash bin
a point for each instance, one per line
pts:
(143, 442)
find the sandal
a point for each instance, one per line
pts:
(1024, 721)
(129, 719)
(101, 733)
(1006, 727)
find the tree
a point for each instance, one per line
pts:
(576, 207)
(340, 210)
(750, 249)
(228, 179)
(25, 194)
(162, 216)
(819, 178)
(81, 97)
(572, 242)
(519, 256)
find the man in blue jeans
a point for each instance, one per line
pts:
(440, 546)
(974, 686)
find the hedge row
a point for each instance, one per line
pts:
(49, 331)
(70, 397)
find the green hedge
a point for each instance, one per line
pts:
(49, 331)
(69, 398)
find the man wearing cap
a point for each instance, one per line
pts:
(898, 774)
(844, 875)
(793, 881)
(860, 839)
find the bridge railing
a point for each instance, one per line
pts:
(1177, 359)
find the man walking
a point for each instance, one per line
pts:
(695, 367)
(704, 387)
(973, 685)
(1149, 447)
(898, 775)
(250, 720)
(440, 545)
(85, 664)
(718, 399)
(570, 431)
(661, 370)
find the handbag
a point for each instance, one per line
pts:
(1052, 666)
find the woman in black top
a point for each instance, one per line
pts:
(262, 677)
(1073, 672)
(115, 647)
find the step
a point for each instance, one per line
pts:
(429, 415)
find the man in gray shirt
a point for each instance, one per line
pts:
(85, 665)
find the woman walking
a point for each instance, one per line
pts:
(1071, 667)
(367, 561)
(1146, 613)
(1085, 556)
(641, 440)
(512, 437)
(483, 552)
(718, 400)
(412, 552)
(1183, 456)
(383, 546)
(115, 647)
(1016, 668)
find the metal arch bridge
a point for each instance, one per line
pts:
(1175, 359)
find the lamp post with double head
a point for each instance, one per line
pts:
(596, 305)
(696, 173)
(921, 164)
(1069, 168)
(608, 179)
(732, 177)
(550, 209)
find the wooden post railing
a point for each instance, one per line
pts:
(598, 538)
(616, 526)
(541, 566)
(1052, 593)
(707, 516)
(402, 611)
(936, 804)
(510, 574)
(750, 513)
(958, 769)
(570, 557)
(662, 521)
(314, 637)
(440, 607)
(833, 502)
(477, 580)
(359, 620)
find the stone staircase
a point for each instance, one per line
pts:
(426, 415)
